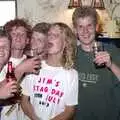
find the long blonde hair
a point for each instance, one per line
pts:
(70, 46)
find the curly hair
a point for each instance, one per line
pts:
(3, 33)
(70, 46)
(83, 12)
(42, 27)
(18, 23)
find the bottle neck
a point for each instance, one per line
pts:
(9, 70)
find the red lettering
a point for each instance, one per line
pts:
(57, 84)
(57, 93)
(37, 88)
(54, 99)
(34, 88)
(50, 98)
(41, 89)
(39, 80)
(53, 91)
(46, 89)
(49, 81)
(61, 94)
(43, 80)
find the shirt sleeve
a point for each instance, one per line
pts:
(72, 94)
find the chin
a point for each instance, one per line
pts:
(86, 41)
(2, 63)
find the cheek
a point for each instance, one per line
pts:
(7, 54)
(60, 46)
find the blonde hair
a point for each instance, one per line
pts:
(70, 46)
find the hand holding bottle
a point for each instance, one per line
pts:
(10, 77)
(7, 89)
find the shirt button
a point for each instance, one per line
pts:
(84, 84)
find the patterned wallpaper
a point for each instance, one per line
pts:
(56, 10)
(46, 10)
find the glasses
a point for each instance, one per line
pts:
(31, 53)
(98, 47)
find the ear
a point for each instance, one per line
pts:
(75, 31)
(97, 27)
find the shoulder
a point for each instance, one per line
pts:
(72, 74)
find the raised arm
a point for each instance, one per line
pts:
(104, 57)
(28, 108)
(27, 66)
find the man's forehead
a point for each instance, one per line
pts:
(19, 28)
(4, 40)
(85, 20)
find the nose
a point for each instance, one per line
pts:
(49, 37)
(85, 30)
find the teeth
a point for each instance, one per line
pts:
(1, 55)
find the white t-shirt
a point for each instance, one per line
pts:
(15, 115)
(51, 90)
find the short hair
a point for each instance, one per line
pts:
(3, 33)
(18, 23)
(70, 48)
(82, 12)
(42, 27)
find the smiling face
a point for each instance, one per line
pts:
(4, 50)
(56, 41)
(85, 29)
(19, 37)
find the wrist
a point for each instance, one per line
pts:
(110, 64)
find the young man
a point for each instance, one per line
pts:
(39, 38)
(20, 32)
(6, 89)
(96, 85)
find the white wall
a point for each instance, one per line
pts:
(57, 10)
(46, 10)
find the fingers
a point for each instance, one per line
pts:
(36, 58)
(35, 62)
(31, 65)
(12, 86)
(12, 83)
(102, 57)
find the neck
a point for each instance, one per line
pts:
(16, 53)
(1, 67)
(54, 60)
(87, 47)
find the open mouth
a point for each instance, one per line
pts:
(49, 45)
(1, 55)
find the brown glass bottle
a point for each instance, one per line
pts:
(10, 76)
